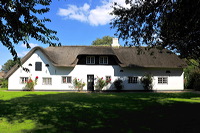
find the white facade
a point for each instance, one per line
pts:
(174, 76)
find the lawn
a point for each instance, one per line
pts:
(71, 112)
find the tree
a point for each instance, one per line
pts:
(106, 40)
(172, 24)
(19, 22)
(8, 65)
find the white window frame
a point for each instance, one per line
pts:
(23, 80)
(48, 82)
(103, 59)
(162, 80)
(132, 79)
(90, 59)
(67, 79)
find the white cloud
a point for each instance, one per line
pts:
(0, 67)
(74, 12)
(100, 15)
(32, 45)
(22, 54)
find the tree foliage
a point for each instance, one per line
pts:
(8, 65)
(19, 22)
(192, 75)
(106, 40)
(172, 24)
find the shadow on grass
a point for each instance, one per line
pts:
(113, 112)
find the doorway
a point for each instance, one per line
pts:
(90, 82)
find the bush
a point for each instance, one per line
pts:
(147, 82)
(3, 83)
(30, 84)
(78, 84)
(101, 83)
(193, 80)
(118, 84)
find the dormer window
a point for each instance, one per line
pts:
(90, 60)
(103, 60)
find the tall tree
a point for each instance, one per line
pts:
(8, 65)
(172, 24)
(106, 40)
(19, 22)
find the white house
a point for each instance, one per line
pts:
(56, 67)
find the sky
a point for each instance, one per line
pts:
(77, 22)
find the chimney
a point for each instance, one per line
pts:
(115, 43)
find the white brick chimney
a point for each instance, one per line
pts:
(115, 42)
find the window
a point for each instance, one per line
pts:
(23, 80)
(67, 79)
(108, 78)
(90, 60)
(38, 66)
(103, 60)
(47, 81)
(162, 80)
(132, 79)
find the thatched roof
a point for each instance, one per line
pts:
(67, 56)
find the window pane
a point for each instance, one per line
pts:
(38, 66)
(135, 79)
(100, 60)
(162, 80)
(108, 77)
(90, 60)
(69, 79)
(105, 60)
(47, 81)
(165, 80)
(23, 80)
(63, 79)
(130, 79)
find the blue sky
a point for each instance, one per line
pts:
(78, 22)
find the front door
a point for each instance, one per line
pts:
(90, 82)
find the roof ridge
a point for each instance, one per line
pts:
(80, 46)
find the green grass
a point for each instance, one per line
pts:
(73, 112)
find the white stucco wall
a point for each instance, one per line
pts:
(175, 78)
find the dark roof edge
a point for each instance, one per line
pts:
(25, 58)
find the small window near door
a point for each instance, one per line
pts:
(67, 79)
(132, 80)
(90, 60)
(38, 66)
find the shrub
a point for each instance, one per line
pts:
(193, 80)
(118, 84)
(101, 83)
(78, 84)
(147, 80)
(30, 84)
(3, 83)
